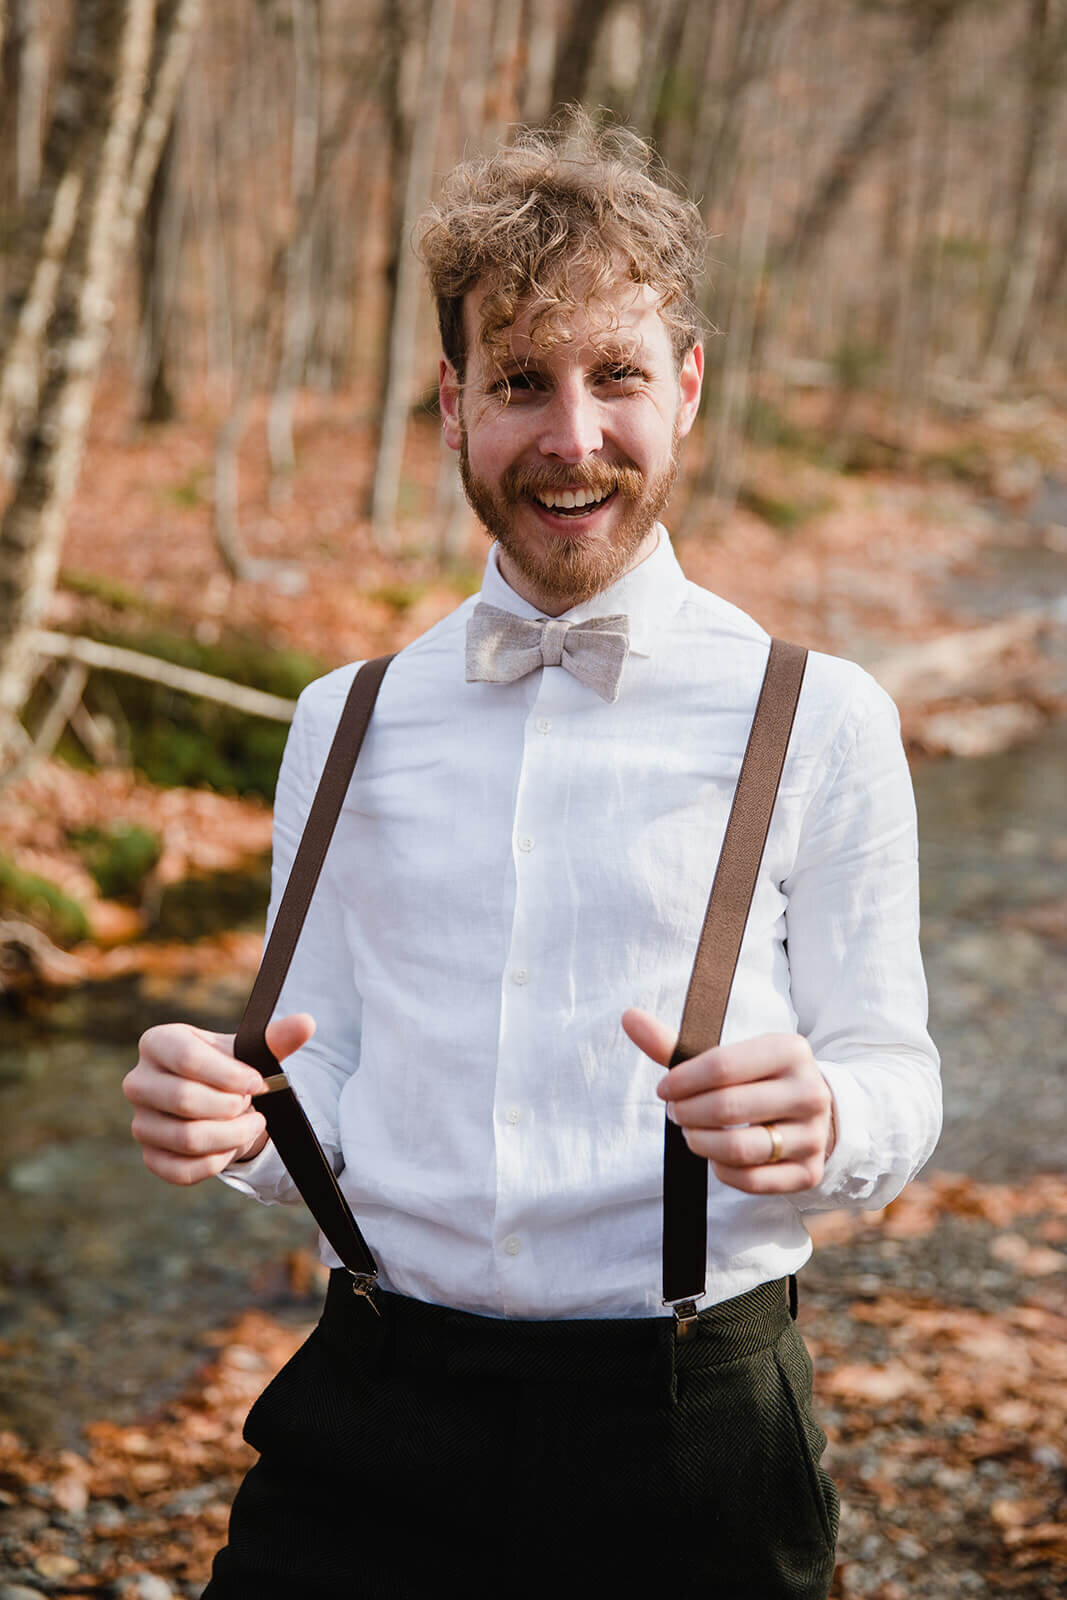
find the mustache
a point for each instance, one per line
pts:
(520, 482)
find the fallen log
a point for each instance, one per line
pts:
(116, 658)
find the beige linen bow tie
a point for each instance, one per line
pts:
(502, 647)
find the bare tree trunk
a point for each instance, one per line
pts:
(39, 244)
(540, 33)
(296, 318)
(1033, 187)
(917, 328)
(577, 47)
(1052, 289)
(30, 43)
(398, 160)
(865, 135)
(21, 372)
(757, 31)
(158, 244)
(724, 464)
(402, 332)
(359, 90)
(123, 146)
(658, 28)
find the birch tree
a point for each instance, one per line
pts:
(1033, 186)
(118, 150)
(408, 287)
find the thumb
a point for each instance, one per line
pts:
(649, 1034)
(286, 1034)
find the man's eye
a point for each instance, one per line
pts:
(624, 375)
(516, 383)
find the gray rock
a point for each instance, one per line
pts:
(144, 1586)
(20, 1521)
(18, 1591)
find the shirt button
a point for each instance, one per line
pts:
(512, 1114)
(512, 1245)
(544, 724)
(520, 975)
(526, 843)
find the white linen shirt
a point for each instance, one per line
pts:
(515, 865)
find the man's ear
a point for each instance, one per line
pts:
(690, 382)
(448, 387)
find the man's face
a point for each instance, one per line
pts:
(598, 418)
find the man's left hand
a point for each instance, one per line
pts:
(727, 1100)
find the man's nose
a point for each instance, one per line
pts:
(572, 427)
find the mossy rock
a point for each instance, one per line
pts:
(119, 857)
(45, 904)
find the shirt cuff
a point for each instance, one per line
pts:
(265, 1177)
(851, 1176)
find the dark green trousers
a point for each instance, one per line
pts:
(428, 1451)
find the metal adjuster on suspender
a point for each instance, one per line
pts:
(364, 1284)
(686, 1317)
(274, 1083)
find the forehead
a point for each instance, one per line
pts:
(623, 323)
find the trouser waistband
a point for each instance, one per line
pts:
(417, 1337)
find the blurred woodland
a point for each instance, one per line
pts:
(230, 192)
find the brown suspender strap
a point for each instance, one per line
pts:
(287, 1125)
(685, 1176)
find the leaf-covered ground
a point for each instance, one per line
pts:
(946, 1411)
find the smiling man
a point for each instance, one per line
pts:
(491, 979)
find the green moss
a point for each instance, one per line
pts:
(189, 493)
(180, 739)
(783, 515)
(38, 900)
(119, 856)
(767, 424)
(95, 586)
(856, 363)
(399, 597)
(966, 463)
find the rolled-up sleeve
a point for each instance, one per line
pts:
(856, 973)
(319, 980)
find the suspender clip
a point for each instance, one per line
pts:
(685, 1318)
(364, 1284)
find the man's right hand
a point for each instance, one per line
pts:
(193, 1101)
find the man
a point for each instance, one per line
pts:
(490, 980)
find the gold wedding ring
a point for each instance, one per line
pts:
(776, 1143)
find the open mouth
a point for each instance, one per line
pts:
(573, 503)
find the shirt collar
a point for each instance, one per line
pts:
(649, 595)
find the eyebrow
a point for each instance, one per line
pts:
(610, 354)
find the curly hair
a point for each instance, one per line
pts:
(549, 224)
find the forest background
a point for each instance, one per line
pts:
(221, 474)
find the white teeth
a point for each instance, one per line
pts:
(573, 499)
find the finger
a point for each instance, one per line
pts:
(285, 1035)
(152, 1130)
(755, 1147)
(183, 1170)
(187, 1098)
(197, 1054)
(768, 1056)
(785, 1177)
(792, 1099)
(649, 1034)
